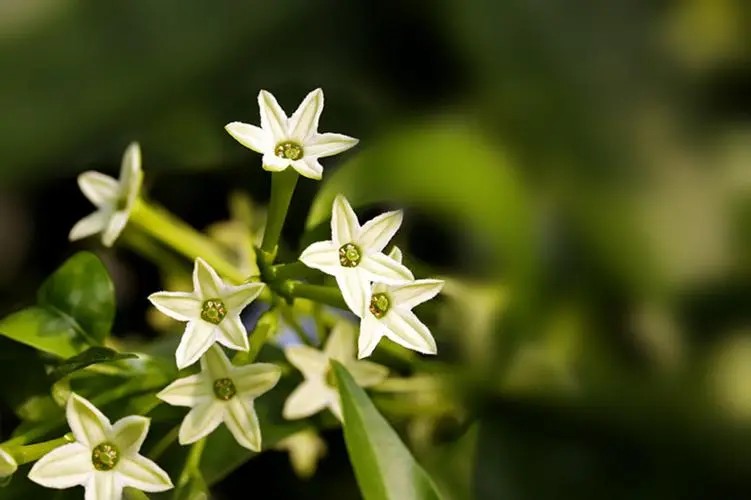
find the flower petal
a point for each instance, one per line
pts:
(63, 467)
(255, 379)
(322, 255)
(206, 283)
(322, 145)
(304, 121)
(187, 391)
(341, 342)
(308, 398)
(335, 406)
(273, 163)
(201, 421)
(215, 364)
(344, 225)
(241, 420)
(182, 306)
(233, 333)
(309, 167)
(396, 254)
(101, 190)
(115, 225)
(378, 231)
(89, 426)
(131, 174)
(416, 292)
(197, 339)
(354, 286)
(8, 464)
(378, 267)
(91, 224)
(273, 117)
(250, 136)
(237, 298)
(128, 433)
(367, 374)
(139, 472)
(311, 362)
(405, 329)
(371, 332)
(103, 486)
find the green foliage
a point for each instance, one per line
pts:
(384, 467)
(90, 356)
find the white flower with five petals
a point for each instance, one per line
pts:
(290, 142)
(389, 314)
(354, 254)
(212, 311)
(113, 198)
(318, 390)
(222, 392)
(104, 459)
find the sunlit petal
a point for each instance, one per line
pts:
(233, 333)
(241, 420)
(196, 340)
(341, 342)
(201, 421)
(115, 225)
(250, 136)
(273, 117)
(215, 364)
(371, 332)
(63, 467)
(311, 362)
(187, 391)
(237, 298)
(323, 145)
(378, 231)
(308, 167)
(104, 486)
(89, 425)
(206, 283)
(354, 286)
(128, 433)
(304, 121)
(380, 268)
(102, 190)
(344, 225)
(308, 398)
(416, 292)
(255, 379)
(405, 329)
(91, 224)
(139, 472)
(182, 306)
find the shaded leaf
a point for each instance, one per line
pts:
(90, 356)
(384, 467)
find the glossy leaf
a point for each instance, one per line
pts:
(90, 356)
(384, 467)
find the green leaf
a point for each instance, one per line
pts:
(384, 467)
(90, 356)
(81, 292)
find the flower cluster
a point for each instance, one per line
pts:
(378, 288)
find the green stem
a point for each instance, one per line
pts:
(266, 326)
(325, 294)
(164, 443)
(282, 187)
(32, 452)
(174, 233)
(193, 462)
(293, 270)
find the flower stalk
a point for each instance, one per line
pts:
(282, 187)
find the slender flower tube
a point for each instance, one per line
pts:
(212, 312)
(114, 199)
(318, 390)
(354, 254)
(290, 142)
(104, 459)
(222, 392)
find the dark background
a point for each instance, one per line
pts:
(624, 125)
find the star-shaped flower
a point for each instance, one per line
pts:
(8, 464)
(212, 311)
(389, 313)
(222, 392)
(113, 198)
(104, 459)
(290, 142)
(354, 254)
(318, 390)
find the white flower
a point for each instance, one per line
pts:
(389, 313)
(305, 449)
(222, 392)
(293, 141)
(8, 464)
(212, 311)
(104, 459)
(354, 254)
(113, 198)
(318, 390)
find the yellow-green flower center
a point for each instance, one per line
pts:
(379, 305)
(105, 457)
(213, 311)
(349, 255)
(224, 389)
(288, 150)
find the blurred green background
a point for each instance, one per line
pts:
(580, 168)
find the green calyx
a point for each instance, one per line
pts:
(213, 311)
(379, 305)
(329, 377)
(105, 457)
(224, 389)
(288, 151)
(349, 255)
